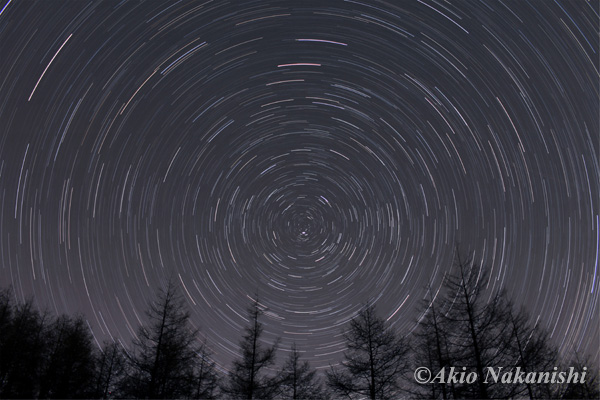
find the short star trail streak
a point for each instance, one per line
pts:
(322, 155)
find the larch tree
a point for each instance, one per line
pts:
(530, 349)
(206, 380)
(430, 349)
(375, 360)
(23, 338)
(110, 366)
(299, 380)
(162, 361)
(477, 328)
(69, 363)
(248, 378)
(588, 379)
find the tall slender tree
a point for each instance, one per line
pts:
(68, 369)
(205, 383)
(477, 325)
(529, 349)
(161, 365)
(299, 380)
(430, 349)
(248, 378)
(587, 386)
(23, 338)
(110, 366)
(375, 360)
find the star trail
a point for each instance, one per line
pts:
(321, 154)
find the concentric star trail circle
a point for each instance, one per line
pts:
(320, 155)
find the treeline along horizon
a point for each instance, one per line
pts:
(470, 342)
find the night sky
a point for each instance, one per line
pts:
(319, 153)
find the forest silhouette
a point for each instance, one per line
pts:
(465, 325)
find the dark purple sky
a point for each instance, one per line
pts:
(320, 153)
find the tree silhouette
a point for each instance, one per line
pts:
(110, 366)
(477, 328)
(161, 365)
(374, 362)
(298, 380)
(247, 379)
(430, 349)
(589, 388)
(531, 350)
(22, 347)
(68, 370)
(464, 323)
(205, 380)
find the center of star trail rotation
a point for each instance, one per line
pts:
(318, 155)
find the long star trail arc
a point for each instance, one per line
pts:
(320, 155)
